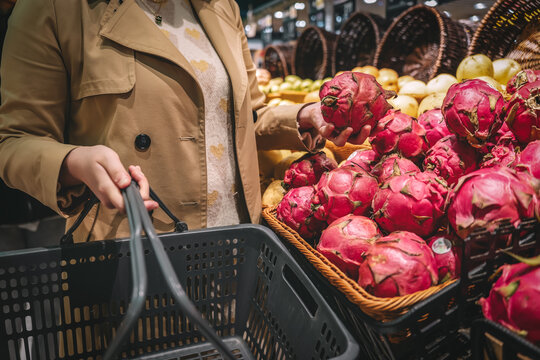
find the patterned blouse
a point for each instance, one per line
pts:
(180, 26)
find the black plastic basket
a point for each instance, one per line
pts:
(439, 326)
(70, 301)
(492, 341)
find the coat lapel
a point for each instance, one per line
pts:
(127, 25)
(228, 44)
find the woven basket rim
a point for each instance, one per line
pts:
(499, 5)
(354, 16)
(280, 55)
(377, 307)
(324, 42)
(398, 20)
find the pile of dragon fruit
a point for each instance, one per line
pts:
(392, 218)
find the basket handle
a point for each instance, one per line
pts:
(140, 279)
(170, 277)
(67, 238)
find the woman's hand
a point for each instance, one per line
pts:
(310, 116)
(100, 168)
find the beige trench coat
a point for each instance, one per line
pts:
(86, 72)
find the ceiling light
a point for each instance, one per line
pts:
(480, 6)
(370, 1)
(431, 3)
(300, 23)
(278, 15)
(299, 6)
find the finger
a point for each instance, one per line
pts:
(140, 178)
(326, 130)
(150, 205)
(105, 189)
(341, 139)
(362, 136)
(144, 187)
(112, 164)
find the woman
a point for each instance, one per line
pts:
(166, 85)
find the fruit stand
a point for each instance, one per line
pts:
(426, 237)
(421, 241)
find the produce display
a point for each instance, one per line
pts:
(513, 299)
(400, 210)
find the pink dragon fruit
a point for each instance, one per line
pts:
(295, 211)
(447, 255)
(393, 165)
(504, 134)
(501, 155)
(363, 158)
(473, 110)
(486, 196)
(353, 100)
(398, 264)
(433, 122)
(346, 240)
(513, 299)
(342, 191)
(399, 133)
(530, 159)
(450, 159)
(308, 170)
(523, 113)
(521, 79)
(411, 202)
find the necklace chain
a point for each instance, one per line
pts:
(157, 18)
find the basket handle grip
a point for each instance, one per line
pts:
(170, 277)
(67, 238)
(140, 279)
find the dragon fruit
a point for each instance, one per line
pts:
(353, 100)
(342, 191)
(486, 196)
(398, 264)
(521, 79)
(362, 158)
(346, 240)
(513, 299)
(433, 122)
(393, 165)
(411, 202)
(399, 133)
(523, 113)
(473, 110)
(530, 159)
(501, 155)
(307, 170)
(295, 211)
(447, 255)
(450, 159)
(504, 134)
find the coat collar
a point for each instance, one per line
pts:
(126, 24)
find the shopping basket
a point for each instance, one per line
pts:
(77, 301)
(429, 324)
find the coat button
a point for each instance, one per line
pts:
(142, 142)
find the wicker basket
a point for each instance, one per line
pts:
(511, 28)
(422, 42)
(357, 41)
(278, 59)
(382, 309)
(314, 53)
